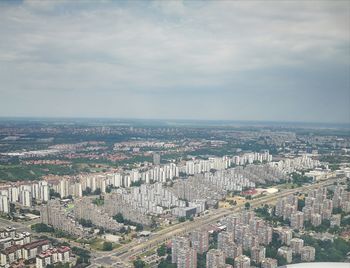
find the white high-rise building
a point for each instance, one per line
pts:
(25, 198)
(4, 204)
(44, 193)
(13, 194)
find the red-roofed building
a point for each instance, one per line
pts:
(32, 249)
(251, 192)
(52, 256)
(28, 251)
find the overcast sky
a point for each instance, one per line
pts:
(239, 60)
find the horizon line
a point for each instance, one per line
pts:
(173, 119)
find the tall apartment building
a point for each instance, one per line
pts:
(156, 159)
(296, 244)
(54, 214)
(258, 254)
(186, 258)
(85, 209)
(285, 252)
(285, 235)
(242, 262)
(307, 254)
(297, 220)
(200, 241)
(335, 220)
(215, 258)
(316, 219)
(4, 204)
(269, 263)
(228, 246)
(178, 243)
(25, 198)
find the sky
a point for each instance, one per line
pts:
(213, 60)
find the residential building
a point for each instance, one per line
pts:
(285, 252)
(200, 240)
(269, 263)
(215, 258)
(242, 262)
(307, 254)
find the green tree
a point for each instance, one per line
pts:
(230, 261)
(87, 191)
(54, 194)
(182, 219)
(301, 204)
(119, 218)
(138, 263)
(42, 228)
(97, 191)
(161, 251)
(281, 260)
(85, 223)
(139, 227)
(201, 260)
(107, 246)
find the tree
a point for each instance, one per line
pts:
(87, 191)
(166, 264)
(97, 191)
(161, 251)
(281, 260)
(119, 218)
(98, 201)
(247, 205)
(182, 219)
(107, 246)
(139, 227)
(138, 263)
(12, 208)
(123, 230)
(230, 261)
(153, 223)
(85, 223)
(136, 183)
(109, 188)
(301, 204)
(83, 255)
(201, 260)
(54, 194)
(42, 228)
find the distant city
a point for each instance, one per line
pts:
(98, 193)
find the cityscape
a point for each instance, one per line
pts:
(171, 196)
(174, 134)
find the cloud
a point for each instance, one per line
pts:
(163, 54)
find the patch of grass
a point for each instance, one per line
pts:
(97, 244)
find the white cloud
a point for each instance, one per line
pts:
(167, 46)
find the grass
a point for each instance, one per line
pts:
(31, 172)
(97, 244)
(287, 186)
(69, 207)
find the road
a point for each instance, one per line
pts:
(127, 252)
(20, 226)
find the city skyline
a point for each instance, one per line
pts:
(255, 61)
